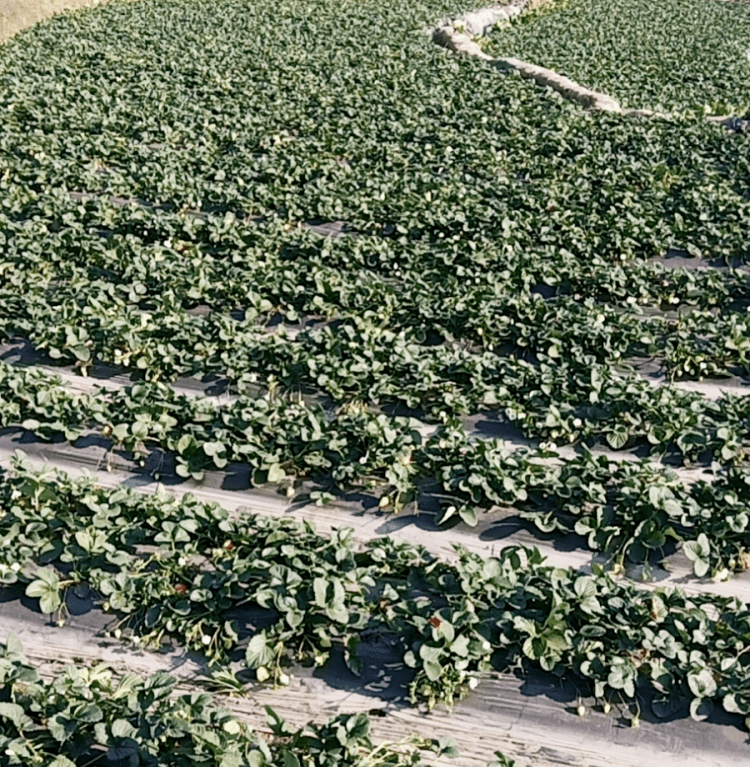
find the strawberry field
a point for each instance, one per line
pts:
(407, 389)
(672, 56)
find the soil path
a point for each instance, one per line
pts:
(16, 15)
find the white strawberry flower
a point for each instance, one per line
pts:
(206, 639)
(473, 682)
(182, 561)
(284, 679)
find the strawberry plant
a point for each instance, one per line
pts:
(181, 570)
(633, 50)
(86, 715)
(624, 508)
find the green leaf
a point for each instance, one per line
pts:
(622, 677)
(584, 587)
(15, 714)
(446, 629)
(320, 589)
(700, 548)
(445, 513)
(37, 589)
(45, 588)
(702, 684)
(468, 515)
(338, 613)
(525, 625)
(460, 646)
(14, 647)
(701, 568)
(431, 652)
(185, 441)
(729, 702)
(82, 353)
(213, 448)
(128, 684)
(447, 746)
(275, 473)
(121, 728)
(585, 590)
(617, 439)
(258, 652)
(433, 670)
(61, 761)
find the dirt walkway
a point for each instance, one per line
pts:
(16, 15)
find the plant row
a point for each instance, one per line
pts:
(86, 298)
(674, 56)
(358, 361)
(120, 321)
(185, 253)
(86, 716)
(628, 509)
(182, 570)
